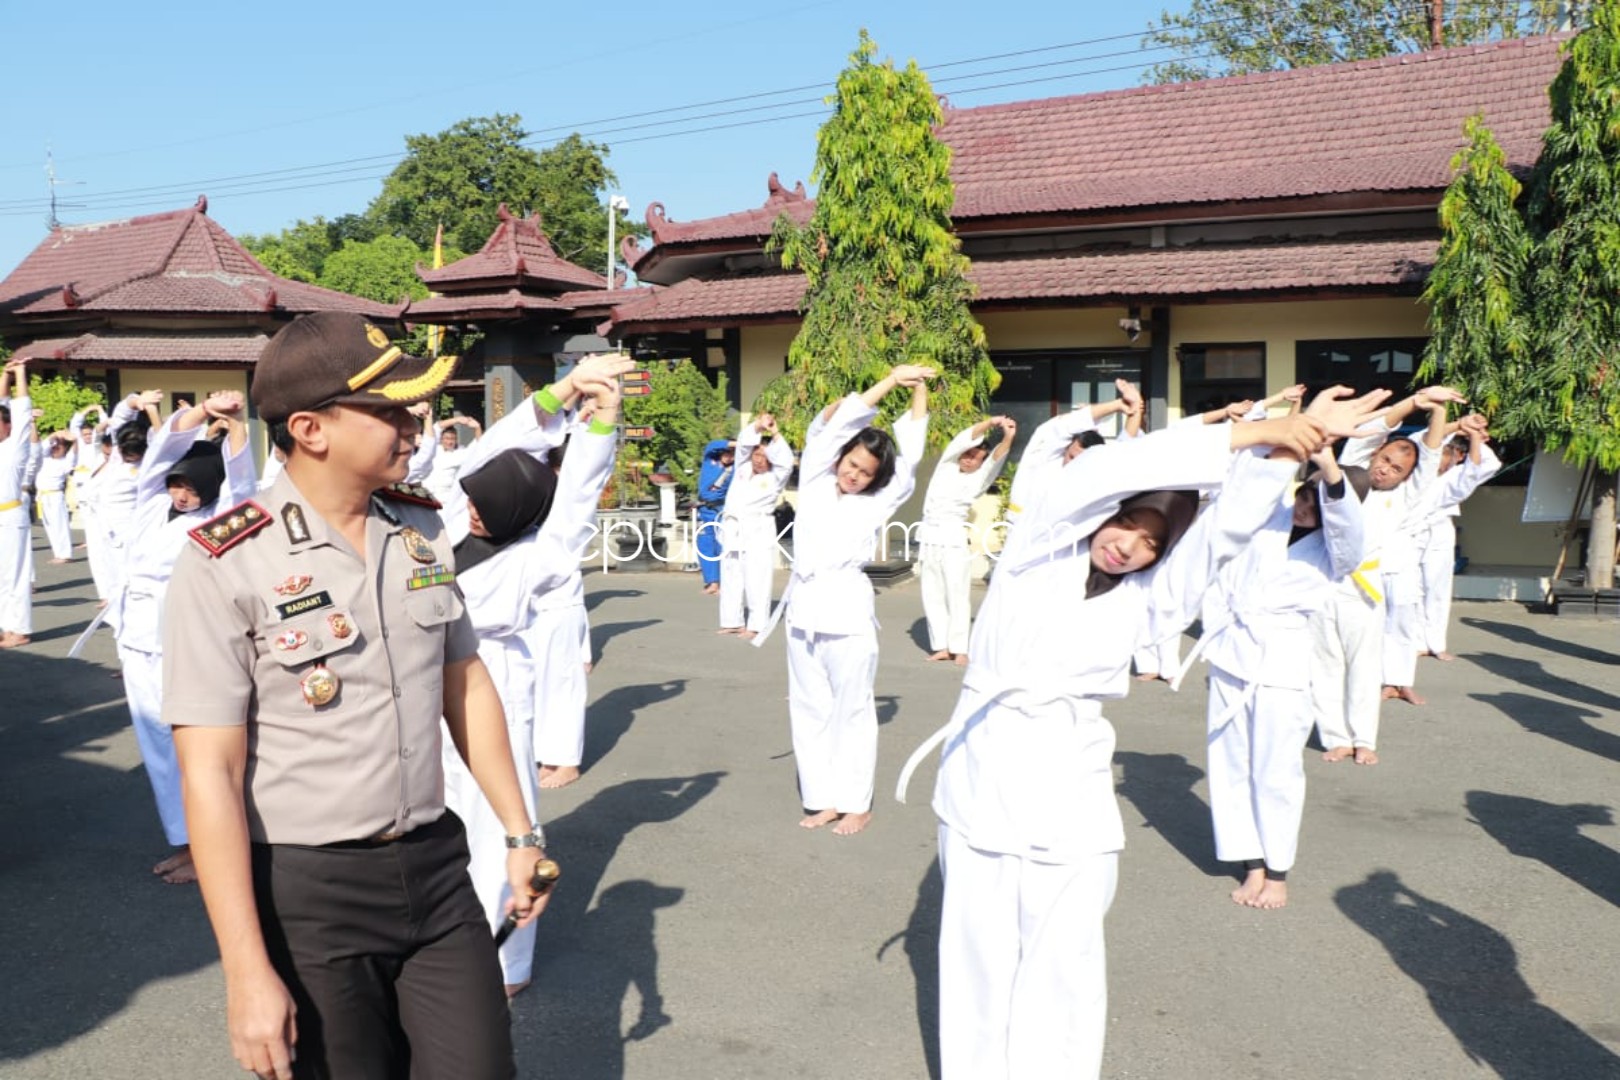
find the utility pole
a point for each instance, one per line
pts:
(51, 184)
(1437, 15)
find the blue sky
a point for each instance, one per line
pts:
(145, 106)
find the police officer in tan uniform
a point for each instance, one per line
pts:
(317, 635)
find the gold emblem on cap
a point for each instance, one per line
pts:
(416, 545)
(320, 686)
(376, 336)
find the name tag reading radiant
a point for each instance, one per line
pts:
(313, 602)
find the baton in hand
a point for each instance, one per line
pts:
(546, 873)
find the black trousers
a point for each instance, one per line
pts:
(388, 957)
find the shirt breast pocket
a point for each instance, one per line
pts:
(317, 635)
(434, 607)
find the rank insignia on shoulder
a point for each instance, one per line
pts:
(219, 534)
(415, 494)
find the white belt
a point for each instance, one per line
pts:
(1016, 697)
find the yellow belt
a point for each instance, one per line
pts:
(1366, 586)
(12, 505)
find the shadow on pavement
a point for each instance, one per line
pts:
(1550, 833)
(1160, 787)
(610, 716)
(1471, 975)
(86, 925)
(568, 1024)
(920, 939)
(594, 600)
(1569, 724)
(919, 634)
(1530, 673)
(1534, 639)
(601, 635)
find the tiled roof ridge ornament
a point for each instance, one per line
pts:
(502, 212)
(269, 303)
(201, 205)
(657, 222)
(779, 194)
(70, 296)
(540, 233)
(631, 251)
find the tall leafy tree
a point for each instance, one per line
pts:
(1543, 355)
(1240, 37)
(887, 282)
(383, 269)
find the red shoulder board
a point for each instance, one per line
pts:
(218, 535)
(415, 494)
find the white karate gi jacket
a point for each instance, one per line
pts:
(155, 541)
(1443, 499)
(1391, 520)
(1028, 770)
(748, 521)
(835, 535)
(951, 492)
(1042, 458)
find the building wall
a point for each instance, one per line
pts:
(764, 357)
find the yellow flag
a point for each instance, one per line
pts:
(436, 333)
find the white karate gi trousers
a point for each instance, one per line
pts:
(486, 843)
(106, 560)
(1023, 980)
(16, 572)
(1436, 571)
(1163, 659)
(833, 718)
(745, 583)
(53, 514)
(558, 644)
(1347, 671)
(1256, 769)
(947, 585)
(143, 686)
(1403, 627)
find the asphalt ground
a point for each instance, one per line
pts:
(1454, 911)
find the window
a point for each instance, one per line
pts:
(1214, 376)
(1036, 384)
(1360, 363)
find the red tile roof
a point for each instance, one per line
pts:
(177, 262)
(1373, 126)
(516, 252)
(150, 348)
(508, 302)
(1139, 275)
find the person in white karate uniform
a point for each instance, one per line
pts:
(61, 457)
(112, 495)
(16, 548)
(965, 471)
(518, 528)
(1065, 437)
(184, 480)
(852, 479)
(1466, 462)
(441, 477)
(1349, 647)
(1257, 641)
(1030, 830)
(748, 542)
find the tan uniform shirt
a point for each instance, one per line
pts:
(243, 630)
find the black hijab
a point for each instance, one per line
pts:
(1360, 482)
(203, 467)
(512, 495)
(1178, 508)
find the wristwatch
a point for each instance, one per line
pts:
(535, 838)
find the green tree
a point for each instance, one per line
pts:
(1240, 37)
(686, 412)
(299, 252)
(383, 269)
(887, 282)
(573, 178)
(1540, 353)
(59, 397)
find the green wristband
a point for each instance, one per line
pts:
(546, 399)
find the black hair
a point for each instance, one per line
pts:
(280, 437)
(131, 440)
(880, 444)
(1088, 439)
(5, 413)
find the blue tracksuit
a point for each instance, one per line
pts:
(714, 479)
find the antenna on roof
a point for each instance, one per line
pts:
(52, 183)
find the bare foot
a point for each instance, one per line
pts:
(710, 590)
(514, 989)
(102, 604)
(960, 659)
(556, 776)
(729, 630)
(1390, 692)
(850, 824)
(58, 562)
(1448, 657)
(1408, 695)
(818, 819)
(942, 654)
(588, 666)
(1147, 676)
(1366, 755)
(1337, 754)
(10, 640)
(177, 869)
(748, 635)
(1272, 895)
(1252, 882)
